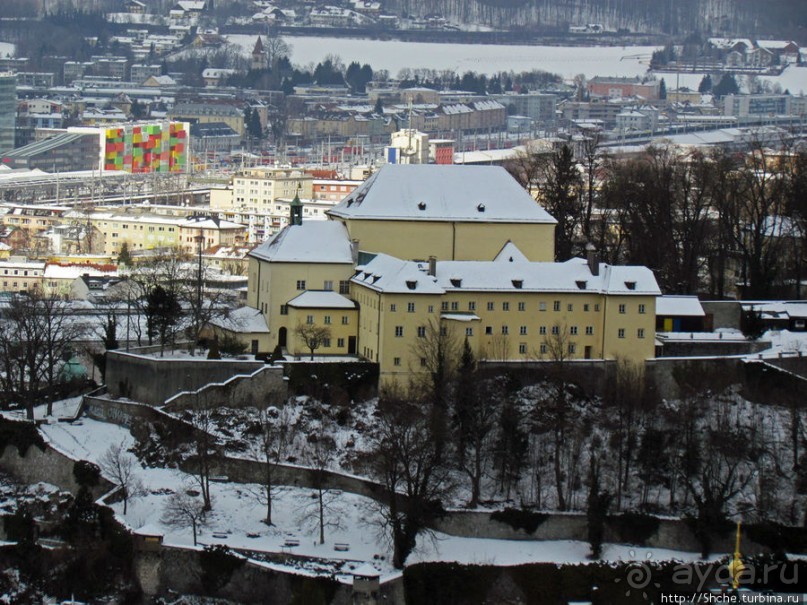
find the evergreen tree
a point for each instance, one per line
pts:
(124, 258)
(662, 89)
(726, 86)
(706, 84)
(561, 199)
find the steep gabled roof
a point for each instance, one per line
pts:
(432, 192)
(311, 242)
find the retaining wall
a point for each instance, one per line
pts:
(672, 533)
(263, 387)
(153, 380)
(49, 466)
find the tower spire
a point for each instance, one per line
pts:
(296, 208)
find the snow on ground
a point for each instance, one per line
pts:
(66, 408)
(793, 78)
(236, 521)
(784, 341)
(394, 55)
(7, 49)
(478, 551)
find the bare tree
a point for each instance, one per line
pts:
(36, 333)
(405, 461)
(552, 414)
(527, 167)
(313, 336)
(204, 448)
(439, 353)
(277, 436)
(480, 419)
(182, 509)
(120, 466)
(323, 506)
(626, 400)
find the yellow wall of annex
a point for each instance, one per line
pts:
(412, 240)
(342, 323)
(510, 325)
(272, 285)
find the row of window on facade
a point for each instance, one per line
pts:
(326, 343)
(522, 306)
(344, 285)
(522, 331)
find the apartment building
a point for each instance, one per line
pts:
(18, 274)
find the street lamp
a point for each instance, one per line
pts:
(199, 241)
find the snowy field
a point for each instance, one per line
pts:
(793, 78)
(236, 520)
(6, 49)
(394, 55)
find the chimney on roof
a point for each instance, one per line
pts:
(433, 266)
(592, 260)
(354, 250)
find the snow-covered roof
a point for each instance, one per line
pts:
(726, 43)
(777, 309)
(311, 242)
(321, 299)
(54, 271)
(431, 192)
(208, 223)
(571, 276)
(392, 275)
(510, 254)
(775, 44)
(244, 320)
(679, 306)
(388, 274)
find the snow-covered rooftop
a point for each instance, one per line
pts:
(571, 276)
(311, 242)
(388, 274)
(55, 271)
(244, 319)
(680, 306)
(392, 275)
(321, 299)
(431, 192)
(510, 254)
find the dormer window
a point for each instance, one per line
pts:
(630, 285)
(457, 283)
(481, 208)
(518, 283)
(421, 205)
(581, 284)
(411, 284)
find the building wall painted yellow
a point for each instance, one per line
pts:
(139, 234)
(342, 323)
(510, 326)
(452, 240)
(272, 285)
(638, 324)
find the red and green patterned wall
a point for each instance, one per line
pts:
(157, 147)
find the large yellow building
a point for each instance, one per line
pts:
(450, 212)
(507, 309)
(462, 250)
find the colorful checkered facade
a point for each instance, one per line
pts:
(157, 147)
